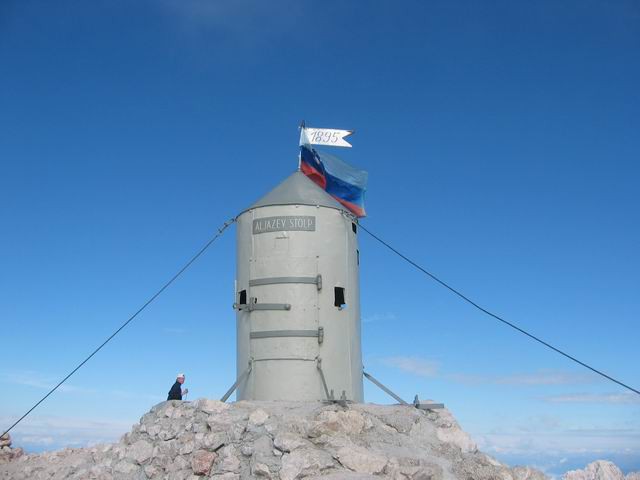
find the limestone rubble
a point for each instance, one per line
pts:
(600, 470)
(6, 452)
(277, 440)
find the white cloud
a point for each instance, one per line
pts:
(414, 365)
(605, 398)
(562, 442)
(537, 423)
(51, 432)
(548, 435)
(29, 378)
(35, 440)
(546, 378)
(429, 368)
(536, 378)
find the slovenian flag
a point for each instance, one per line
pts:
(340, 180)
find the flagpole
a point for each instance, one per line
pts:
(299, 152)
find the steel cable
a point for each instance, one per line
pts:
(146, 304)
(497, 317)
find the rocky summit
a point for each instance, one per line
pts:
(600, 470)
(277, 440)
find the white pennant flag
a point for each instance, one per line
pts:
(325, 136)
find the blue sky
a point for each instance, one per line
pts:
(501, 141)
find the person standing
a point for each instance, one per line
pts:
(176, 391)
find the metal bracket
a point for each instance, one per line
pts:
(317, 280)
(426, 406)
(254, 305)
(329, 394)
(274, 359)
(343, 399)
(285, 333)
(238, 381)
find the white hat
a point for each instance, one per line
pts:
(180, 375)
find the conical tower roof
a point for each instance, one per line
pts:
(298, 189)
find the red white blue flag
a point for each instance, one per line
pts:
(340, 180)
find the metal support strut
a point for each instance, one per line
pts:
(238, 381)
(324, 381)
(416, 400)
(382, 387)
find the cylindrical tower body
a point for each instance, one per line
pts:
(297, 296)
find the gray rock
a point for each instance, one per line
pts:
(178, 464)
(361, 460)
(140, 452)
(598, 470)
(226, 476)
(125, 467)
(258, 417)
(229, 460)
(527, 473)
(151, 471)
(344, 476)
(287, 442)
(211, 406)
(275, 440)
(214, 440)
(349, 422)
(304, 462)
(260, 470)
(187, 444)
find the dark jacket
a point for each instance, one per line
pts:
(176, 392)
